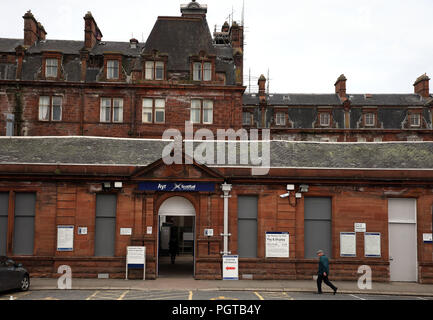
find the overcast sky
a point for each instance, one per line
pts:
(381, 46)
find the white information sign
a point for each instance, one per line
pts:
(82, 230)
(125, 231)
(347, 244)
(65, 238)
(427, 237)
(360, 227)
(230, 267)
(149, 230)
(277, 244)
(372, 244)
(136, 259)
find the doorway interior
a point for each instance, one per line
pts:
(176, 234)
(176, 246)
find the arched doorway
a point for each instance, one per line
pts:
(176, 230)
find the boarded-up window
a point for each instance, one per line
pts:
(24, 223)
(105, 226)
(4, 206)
(247, 226)
(317, 226)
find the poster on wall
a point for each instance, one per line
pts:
(277, 244)
(65, 238)
(372, 244)
(347, 244)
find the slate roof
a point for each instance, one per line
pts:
(298, 99)
(140, 152)
(9, 45)
(180, 38)
(279, 99)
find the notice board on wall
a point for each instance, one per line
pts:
(65, 238)
(277, 244)
(347, 244)
(372, 244)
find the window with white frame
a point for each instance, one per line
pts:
(370, 119)
(280, 119)
(56, 109)
(415, 120)
(201, 111)
(154, 70)
(195, 111)
(207, 71)
(246, 118)
(147, 115)
(207, 111)
(111, 110)
(153, 106)
(325, 119)
(159, 110)
(112, 69)
(51, 68)
(202, 71)
(50, 108)
(117, 110)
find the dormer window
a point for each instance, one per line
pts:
(51, 67)
(154, 70)
(112, 69)
(202, 71)
(415, 120)
(370, 119)
(325, 119)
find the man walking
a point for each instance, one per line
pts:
(323, 273)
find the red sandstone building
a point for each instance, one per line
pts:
(363, 203)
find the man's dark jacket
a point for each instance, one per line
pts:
(323, 265)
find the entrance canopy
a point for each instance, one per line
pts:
(176, 206)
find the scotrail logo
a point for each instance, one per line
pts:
(230, 148)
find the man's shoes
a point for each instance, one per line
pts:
(335, 291)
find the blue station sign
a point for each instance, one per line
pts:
(177, 186)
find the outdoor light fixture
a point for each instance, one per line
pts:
(106, 185)
(290, 187)
(118, 185)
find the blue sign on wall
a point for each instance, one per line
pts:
(177, 186)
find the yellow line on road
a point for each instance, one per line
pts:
(284, 293)
(92, 296)
(258, 295)
(190, 295)
(123, 295)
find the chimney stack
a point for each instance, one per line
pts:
(33, 30)
(92, 34)
(421, 86)
(237, 42)
(340, 87)
(133, 43)
(262, 88)
(193, 10)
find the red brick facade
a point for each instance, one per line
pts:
(71, 201)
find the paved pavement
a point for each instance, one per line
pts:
(194, 295)
(189, 284)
